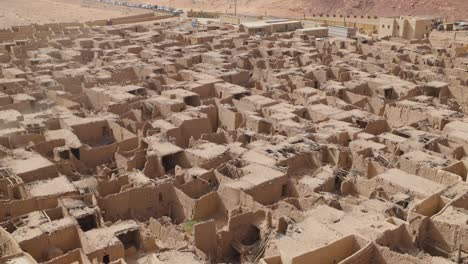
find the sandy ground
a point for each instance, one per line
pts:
(450, 9)
(442, 38)
(23, 12)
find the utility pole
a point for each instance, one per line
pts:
(235, 7)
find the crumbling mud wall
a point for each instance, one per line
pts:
(20, 207)
(142, 203)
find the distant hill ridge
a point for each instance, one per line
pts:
(447, 9)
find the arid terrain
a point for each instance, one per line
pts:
(47, 11)
(24, 12)
(450, 9)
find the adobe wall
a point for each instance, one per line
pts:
(269, 192)
(284, 27)
(62, 101)
(142, 203)
(246, 200)
(20, 207)
(168, 234)
(238, 228)
(212, 162)
(62, 240)
(364, 255)
(19, 141)
(436, 235)
(132, 19)
(37, 247)
(239, 223)
(205, 237)
(8, 245)
(304, 161)
(457, 91)
(46, 148)
(117, 206)
(73, 256)
(447, 236)
(398, 116)
(114, 252)
(430, 206)
(334, 253)
(195, 188)
(207, 206)
(228, 118)
(257, 125)
(461, 202)
(126, 139)
(106, 188)
(136, 161)
(229, 196)
(13, 86)
(65, 239)
(224, 248)
(124, 75)
(396, 238)
(458, 168)
(70, 84)
(384, 255)
(271, 260)
(217, 138)
(9, 36)
(244, 105)
(23, 107)
(165, 110)
(187, 204)
(20, 52)
(212, 113)
(153, 167)
(4, 58)
(11, 190)
(98, 99)
(97, 23)
(205, 90)
(431, 173)
(91, 131)
(93, 157)
(421, 28)
(123, 107)
(377, 127)
(195, 128)
(42, 173)
(367, 165)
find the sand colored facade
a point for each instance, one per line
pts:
(405, 27)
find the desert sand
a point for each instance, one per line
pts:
(450, 9)
(14, 13)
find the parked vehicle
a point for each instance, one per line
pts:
(144, 6)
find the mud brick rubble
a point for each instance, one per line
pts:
(163, 143)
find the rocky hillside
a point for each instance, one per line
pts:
(448, 9)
